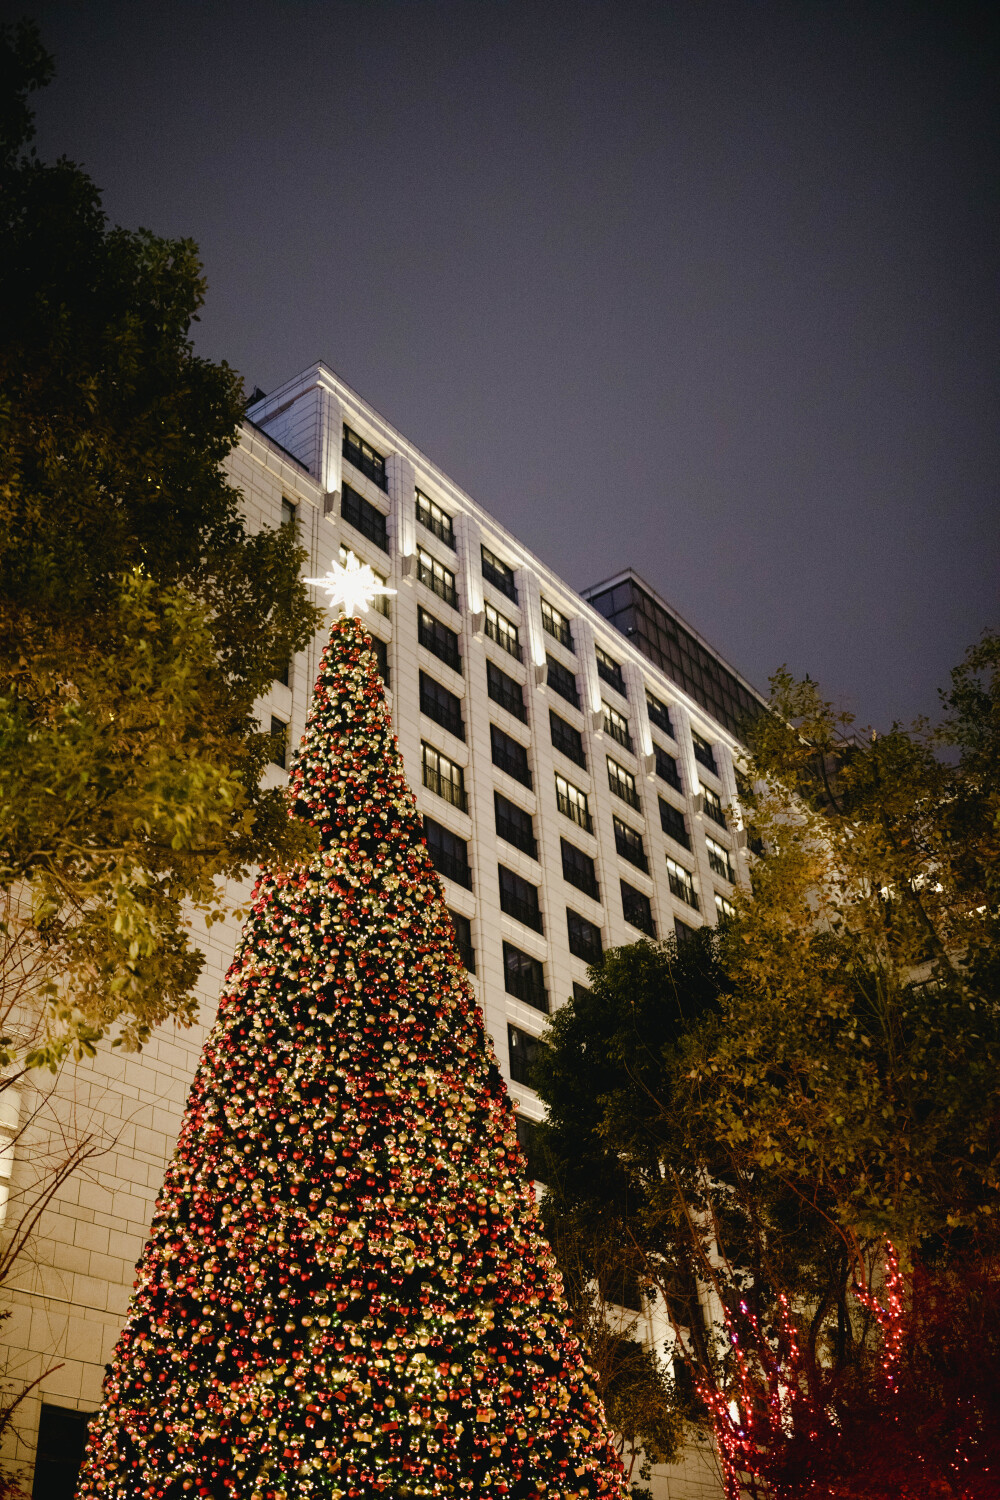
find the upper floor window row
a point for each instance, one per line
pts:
(720, 861)
(435, 576)
(364, 517)
(433, 518)
(609, 671)
(557, 625)
(499, 574)
(364, 458)
(503, 631)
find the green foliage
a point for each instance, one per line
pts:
(753, 1120)
(139, 619)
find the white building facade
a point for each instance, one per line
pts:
(578, 790)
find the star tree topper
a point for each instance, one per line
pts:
(352, 585)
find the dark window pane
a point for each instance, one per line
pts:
(667, 769)
(510, 756)
(437, 638)
(364, 517)
(562, 681)
(674, 823)
(628, 842)
(522, 1049)
(449, 853)
(637, 910)
(499, 574)
(584, 937)
(62, 1437)
(441, 706)
(364, 458)
(515, 825)
(524, 978)
(463, 939)
(279, 742)
(567, 740)
(519, 898)
(579, 869)
(659, 714)
(505, 691)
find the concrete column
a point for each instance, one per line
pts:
(402, 517)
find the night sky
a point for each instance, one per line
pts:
(707, 288)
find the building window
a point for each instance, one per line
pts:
(703, 753)
(527, 1139)
(285, 675)
(289, 512)
(579, 869)
(436, 520)
(616, 725)
(567, 740)
(438, 639)
(279, 742)
(659, 714)
(719, 861)
(435, 576)
(443, 776)
(519, 899)
(503, 631)
(463, 940)
(584, 937)
(637, 910)
(515, 825)
(666, 769)
(572, 803)
(725, 909)
(629, 844)
(580, 991)
(364, 458)
(380, 603)
(441, 706)
(524, 977)
(622, 783)
(713, 806)
(681, 883)
(557, 625)
(449, 853)
(562, 681)
(522, 1049)
(499, 574)
(364, 517)
(609, 671)
(380, 650)
(509, 756)
(674, 823)
(683, 932)
(505, 691)
(62, 1438)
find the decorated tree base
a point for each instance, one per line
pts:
(345, 1292)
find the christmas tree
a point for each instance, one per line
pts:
(345, 1292)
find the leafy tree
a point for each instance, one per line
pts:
(771, 1133)
(139, 618)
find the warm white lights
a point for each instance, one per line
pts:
(352, 585)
